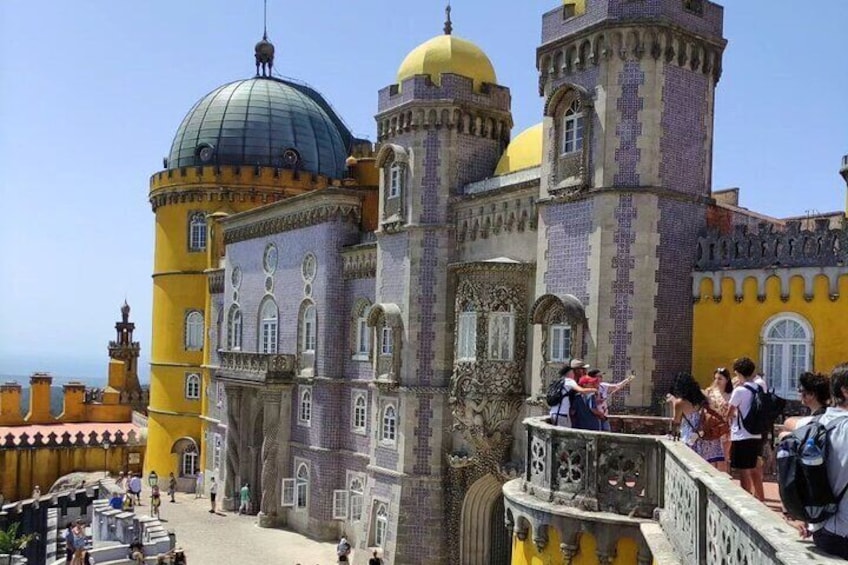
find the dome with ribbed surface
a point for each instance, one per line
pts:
(448, 54)
(263, 121)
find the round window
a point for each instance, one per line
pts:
(236, 277)
(310, 265)
(269, 259)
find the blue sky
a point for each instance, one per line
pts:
(92, 92)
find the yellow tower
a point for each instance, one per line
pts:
(245, 144)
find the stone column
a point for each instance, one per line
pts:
(271, 399)
(231, 488)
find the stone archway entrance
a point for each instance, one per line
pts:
(483, 539)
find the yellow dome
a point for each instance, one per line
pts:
(448, 54)
(523, 152)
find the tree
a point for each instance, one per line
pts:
(11, 543)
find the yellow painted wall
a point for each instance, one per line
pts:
(525, 553)
(728, 329)
(22, 469)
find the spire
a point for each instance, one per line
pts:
(448, 23)
(264, 50)
(125, 312)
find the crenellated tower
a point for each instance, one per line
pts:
(443, 124)
(629, 89)
(123, 376)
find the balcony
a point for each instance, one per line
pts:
(256, 368)
(658, 493)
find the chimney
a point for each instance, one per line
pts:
(39, 399)
(74, 408)
(10, 404)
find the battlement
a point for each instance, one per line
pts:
(699, 16)
(452, 88)
(768, 247)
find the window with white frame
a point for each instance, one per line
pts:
(572, 128)
(341, 504)
(787, 352)
(381, 525)
(302, 486)
(501, 335)
(388, 429)
(268, 323)
(356, 488)
(363, 337)
(194, 331)
(360, 412)
(197, 232)
(309, 334)
(188, 461)
(304, 413)
(466, 341)
(386, 340)
(559, 338)
(234, 329)
(216, 453)
(394, 180)
(192, 386)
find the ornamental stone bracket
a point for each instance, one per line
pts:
(216, 280)
(256, 368)
(359, 262)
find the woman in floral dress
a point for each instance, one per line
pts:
(718, 395)
(688, 399)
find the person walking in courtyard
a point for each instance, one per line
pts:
(244, 499)
(155, 500)
(172, 486)
(689, 404)
(134, 488)
(745, 447)
(375, 560)
(718, 395)
(198, 485)
(213, 493)
(343, 550)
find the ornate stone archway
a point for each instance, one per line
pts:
(476, 538)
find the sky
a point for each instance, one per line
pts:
(92, 91)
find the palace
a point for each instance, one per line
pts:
(358, 331)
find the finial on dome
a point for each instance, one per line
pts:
(264, 50)
(448, 23)
(125, 311)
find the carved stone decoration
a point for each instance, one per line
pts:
(270, 431)
(322, 213)
(540, 538)
(726, 541)
(681, 517)
(234, 395)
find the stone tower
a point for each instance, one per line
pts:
(626, 176)
(444, 124)
(126, 350)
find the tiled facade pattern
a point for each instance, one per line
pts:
(622, 288)
(569, 227)
(629, 128)
(684, 131)
(355, 290)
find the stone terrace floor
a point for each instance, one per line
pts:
(226, 538)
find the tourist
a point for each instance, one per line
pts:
(128, 502)
(121, 482)
(688, 400)
(155, 500)
(605, 390)
(343, 550)
(116, 501)
(69, 543)
(718, 395)
(134, 488)
(137, 552)
(244, 499)
(814, 390)
(831, 536)
(78, 540)
(745, 447)
(585, 414)
(213, 492)
(172, 486)
(198, 484)
(180, 557)
(560, 414)
(375, 560)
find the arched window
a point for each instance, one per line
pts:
(194, 330)
(389, 425)
(302, 486)
(501, 335)
(356, 487)
(382, 525)
(304, 414)
(559, 347)
(192, 386)
(234, 329)
(268, 327)
(466, 339)
(360, 413)
(386, 340)
(197, 232)
(787, 352)
(308, 331)
(188, 461)
(361, 332)
(572, 128)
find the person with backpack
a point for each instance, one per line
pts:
(343, 550)
(812, 466)
(746, 429)
(697, 424)
(562, 390)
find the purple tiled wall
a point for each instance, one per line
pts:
(452, 86)
(569, 227)
(422, 433)
(629, 127)
(684, 146)
(394, 268)
(324, 477)
(416, 543)
(354, 290)
(622, 287)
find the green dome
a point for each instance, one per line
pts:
(263, 121)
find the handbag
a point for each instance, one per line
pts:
(712, 426)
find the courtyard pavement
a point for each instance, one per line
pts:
(225, 538)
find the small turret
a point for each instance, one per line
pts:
(10, 404)
(843, 170)
(39, 399)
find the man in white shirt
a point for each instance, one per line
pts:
(570, 375)
(831, 536)
(745, 447)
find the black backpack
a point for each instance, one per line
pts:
(805, 489)
(555, 394)
(766, 408)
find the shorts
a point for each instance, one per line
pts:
(212, 496)
(744, 453)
